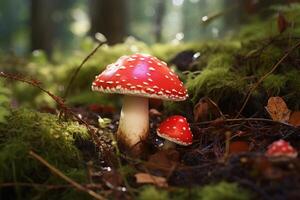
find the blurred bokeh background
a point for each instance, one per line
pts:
(49, 25)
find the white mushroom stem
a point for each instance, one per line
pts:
(134, 122)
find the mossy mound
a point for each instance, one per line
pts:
(219, 191)
(27, 130)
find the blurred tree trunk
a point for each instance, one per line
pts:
(109, 17)
(158, 22)
(42, 25)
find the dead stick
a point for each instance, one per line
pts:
(242, 120)
(78, 69)
(265, 76)
(64, 177)
(47, 186)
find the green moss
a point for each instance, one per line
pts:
(274, 84)
(221, 60)
(216, 83)
(223, 191)
(152, 193)
(219, 191)
(27, 130)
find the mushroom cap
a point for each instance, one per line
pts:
(176, 129)
(140, 75)
(281, 148)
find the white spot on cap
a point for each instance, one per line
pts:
(118, 74)
(145, 83)
(149, 79)
(151, 68)
(122, 67)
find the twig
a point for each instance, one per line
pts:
(47, 186)
(275, 66)
(242, 120)
(64, 177)
(79, 68)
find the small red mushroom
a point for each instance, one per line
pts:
(281, 150)
(139, 77)
(175, 129)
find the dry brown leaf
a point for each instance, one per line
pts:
(206, 109)
(278, 109)
(295, 118)
(164, 161)
(148, 178)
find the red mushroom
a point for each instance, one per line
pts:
(139, 77)
(175, 129)
(281, 150)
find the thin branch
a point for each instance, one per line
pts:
(79, 68)
(242, 120)
(47, 186)
(64, 177)
(265, 76)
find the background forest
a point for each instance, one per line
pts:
(57, 137)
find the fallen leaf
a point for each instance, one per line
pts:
(238, 147)
(164, 161)
(295, 118)
(148, 178)
(206, 109)
(278, 109)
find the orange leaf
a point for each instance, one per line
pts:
(295, 118)
(278, 109)
(148, 178)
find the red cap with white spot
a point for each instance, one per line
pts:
(176, 129)
(281, 148)
(141, 75)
